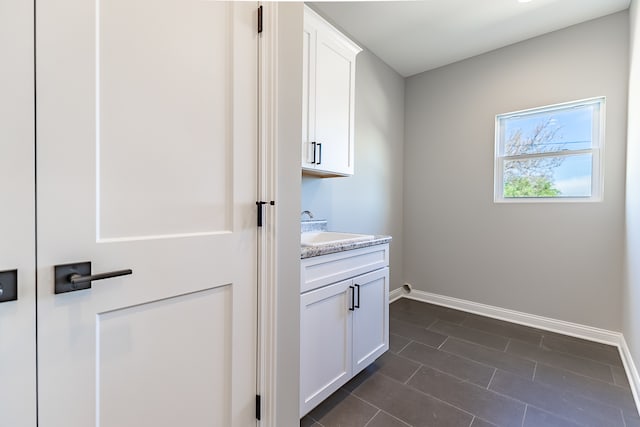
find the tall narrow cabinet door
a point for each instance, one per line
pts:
(371, 318)
(334, 102)
(147, 146)
(309, 37)
(17, 217)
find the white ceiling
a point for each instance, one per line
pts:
(415, 36)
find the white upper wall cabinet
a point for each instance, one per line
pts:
(329, 73)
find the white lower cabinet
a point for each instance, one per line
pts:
(370, 329)
(344, 327)
(325, 343)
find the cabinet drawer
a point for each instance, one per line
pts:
(326, 269)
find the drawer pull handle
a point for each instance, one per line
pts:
(358, 305)
(353, 298)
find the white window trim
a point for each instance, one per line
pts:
(597, 152)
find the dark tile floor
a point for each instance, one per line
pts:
(450, 368)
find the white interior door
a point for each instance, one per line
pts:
(17, 217)
(147, 127)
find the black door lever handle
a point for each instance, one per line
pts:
(77, 279)
(77, 276)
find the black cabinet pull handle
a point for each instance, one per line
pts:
(358, 305)
(353, 300)
(319, 154)
(314, 152)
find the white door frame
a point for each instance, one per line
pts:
(280, 129)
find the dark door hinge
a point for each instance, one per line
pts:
(259, 19)
(260, 210)
(258, 414)
(259, 205)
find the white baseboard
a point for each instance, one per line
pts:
(560, 326)
(554, 325)
(632, 371)
(396, 294)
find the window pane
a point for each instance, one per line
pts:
(553, 176)
(549, 131)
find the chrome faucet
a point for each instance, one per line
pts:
(303, 213)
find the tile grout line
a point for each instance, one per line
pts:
(577, 356)
(579, 375)
(449, 373)
(412, 375)
(445, 340)
(474, 361)
(316, 421)
(374, 415)
(405, 346)
(524, 416)
(548, 411)
(421, 392)
(366, 401)
(472, 330)
(556, 366)
(395, 418)
(492, 375)
(535, 369)
(379, 409)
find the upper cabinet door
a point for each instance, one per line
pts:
(328, 99)
(17, 217)
(309, 36)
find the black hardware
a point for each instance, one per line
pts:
(319, 154)
(77, 276)
(260, 204)
(353, 298)
(258, 401)
(314, 152)
(358, 288)
(8, 285)
(259, 19)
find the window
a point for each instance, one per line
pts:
(550, 153)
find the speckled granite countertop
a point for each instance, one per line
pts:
(330, 248)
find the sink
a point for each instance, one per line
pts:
(318, 238)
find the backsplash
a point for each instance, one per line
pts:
(313, 225)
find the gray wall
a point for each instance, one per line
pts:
(631, 294)
(563, 260)
(370, 201)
